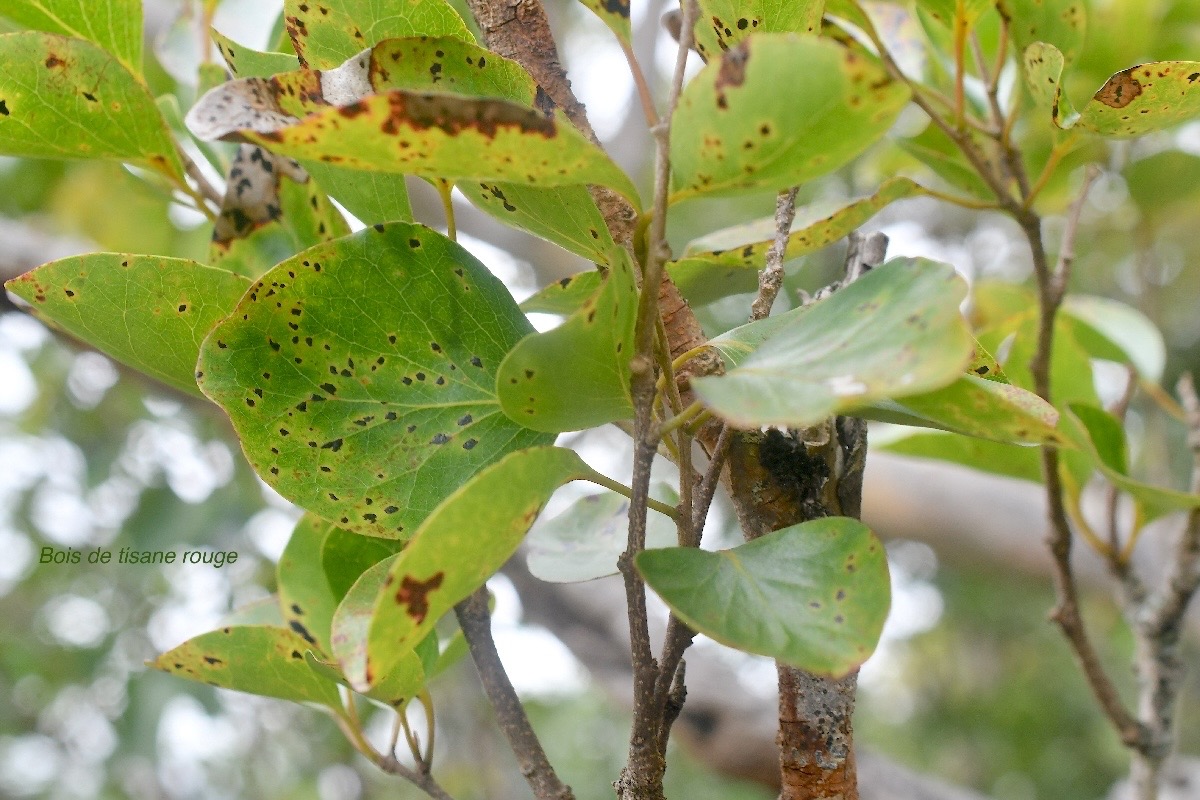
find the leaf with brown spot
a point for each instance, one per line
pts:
(735, 136)
(1133, 102)
(461, 544)
(128, 307)
(722, 24)
(67, 98)
(113, 25)
(359, 420)
(258, 659)
(327, 32)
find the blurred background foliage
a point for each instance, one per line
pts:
(970, 682)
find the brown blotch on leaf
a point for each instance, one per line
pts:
(414, 595)
(1120, 90)
(453, 115)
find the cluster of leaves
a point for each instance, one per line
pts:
(387, 383)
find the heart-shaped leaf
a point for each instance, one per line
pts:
(149, 312)
(813, 595)
(722, 24)
(257, 659)
(326, 34)
(732, 134)
(360, 375)
(462, 544)
(113, 25)
(576, 376)
(896, 331)
(67, 98)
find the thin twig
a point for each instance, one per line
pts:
(388, 763)
(476, 623)
(643, 88)
(642, 776)
(708, 484)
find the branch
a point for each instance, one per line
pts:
(475, 621)
(771, 277)
(1051, 286)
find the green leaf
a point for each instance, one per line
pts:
(816, 226)
(360, 375)
(614, 14)
(997, 458)
(732, 134)
(345, 556)
(933, 148)
(722, 24)
(1147, 176)
(814, 595)
(258, 659)
(701, 281)
(67, 98)
(565, 296)
(948, 12)
(585, 541)
(576, 376)
(149, 312)
(894, 332)
(565, 215)
(372, 197)
(405, 675)
(245, 62)
(1115, 331)
(113, 25)
(325, 35)
(975, 407)
(304, 595)
(1062, 23)
(1100, 434)
(462, 544)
